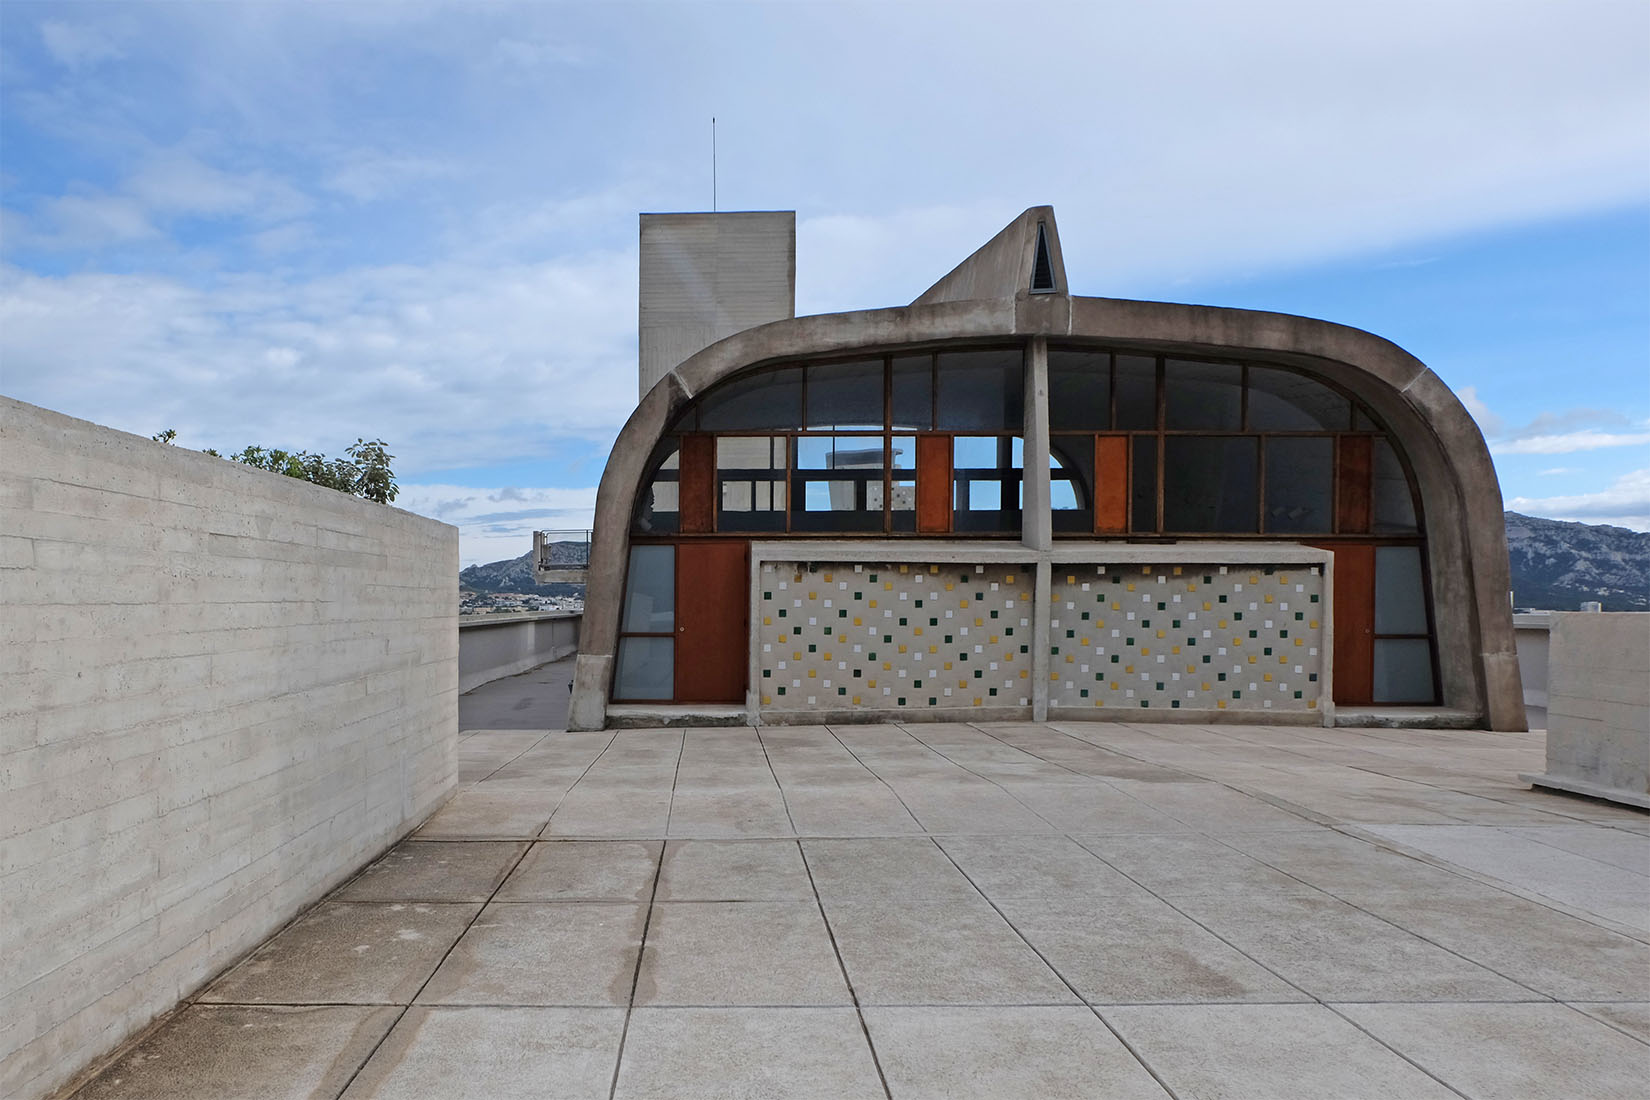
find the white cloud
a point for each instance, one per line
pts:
(367, 175)
(1626, 503)
(1569, 442)
(494, 524)
(174, 181)
(80, 45)
(453, 364)
(1558, 471)
(88, 221)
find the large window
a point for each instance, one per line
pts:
(849, 447)
(1159, 445)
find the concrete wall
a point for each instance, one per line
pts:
(1531, 632)
(706, 276)
(224, 691)
(491, 647)
(1598, 706)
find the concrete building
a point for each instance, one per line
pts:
(1007, 501)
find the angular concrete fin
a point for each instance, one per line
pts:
(1023, 259)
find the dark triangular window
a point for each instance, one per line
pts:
(1042, 268)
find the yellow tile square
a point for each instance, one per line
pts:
(767, 620)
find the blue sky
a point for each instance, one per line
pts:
(295, 223)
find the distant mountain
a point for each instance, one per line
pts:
(1557, 565)
(513, 575)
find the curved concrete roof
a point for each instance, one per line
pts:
(1460, 494)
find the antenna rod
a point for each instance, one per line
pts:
(713, 164)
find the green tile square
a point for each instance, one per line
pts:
(916, 683)
(1314, 597)
(782, 690)
(948, 639)
(993, 691)
(1160, 685)
(812, 648)
(1025, 649)
(902, 622)
(1084, 693)
(933, 702)
(902, 700)
(1312, 677)
(1114, 658)
(1299, 615)
(1161, 606)
(1237, 694)
(1174, 702)
(842, 691)
(1128, 641)
(1207, 579)
(781, 612)
(919, 603)
(994, 614)
(978, 673)
(1085, 616)
(767, 674)
(767, 595)
(933, 622)
(1267, 652)
(1297, 695)
(1220, 676)
(842, 614)
(1222, 599)
(827, 630)
(1052, 649)
(859, 595)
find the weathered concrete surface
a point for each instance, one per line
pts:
(534, 700)
(224, 690)
(704, 276)
(1598, 706)
(982, 910)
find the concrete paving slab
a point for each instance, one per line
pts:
(566, 953)
(1610, 891)
(1140, 950)
(1175, 864)
(1035, 867)
(596, 812)
(476, 813)
(347, 953)
(1632, 1019)
(982, 808)
(1511, 1051)
(991, 1053)
(939, 953)
(1553, 953)
(872, 869)
(1204, 806)
(849, 809)
(756, 813)
(511, 741)
(1337, 863)
(739, 953)
(1279, 1052)
(585, 870)
(747, 1054)
(734, 870)
(1617, 847)
(230, 1052)
(435, 870)
(1093, 808)
(499, 1053)
(1337, 952)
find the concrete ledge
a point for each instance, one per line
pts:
(491, 647)
(1409, 718)
(1591, 790)
(640, 716)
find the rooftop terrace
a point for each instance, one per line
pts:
(953, 910)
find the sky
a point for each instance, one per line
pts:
(296, 224)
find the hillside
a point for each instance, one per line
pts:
(1556, 565)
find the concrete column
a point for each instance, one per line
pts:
(1039, 638)
(1036, 525)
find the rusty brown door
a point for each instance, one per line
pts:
(712, 635)
(1354, 603)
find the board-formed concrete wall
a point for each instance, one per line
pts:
(1598, 706)
(224, 690)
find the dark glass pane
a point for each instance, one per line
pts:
(1071, 474)
(658, 511)
(1394, 504)
(1143, 506)
(1283, 401)
(768, 399)
(1209, 483)
(1079, 390)
(914, 392)
(750, 474)
(1202, 395)
(986, 478)
(650, 591)
(1362, 421)
(1136, 392)
(903, 505)
(1400, 591)
(981, 390)
(1403, 670)
(845, 395)
(645, 669)
(1300, 480)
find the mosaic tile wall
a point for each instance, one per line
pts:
(1201, 637)
(905, 636)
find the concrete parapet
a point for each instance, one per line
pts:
(1598, 705)
(491, 647)
(225, 690)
